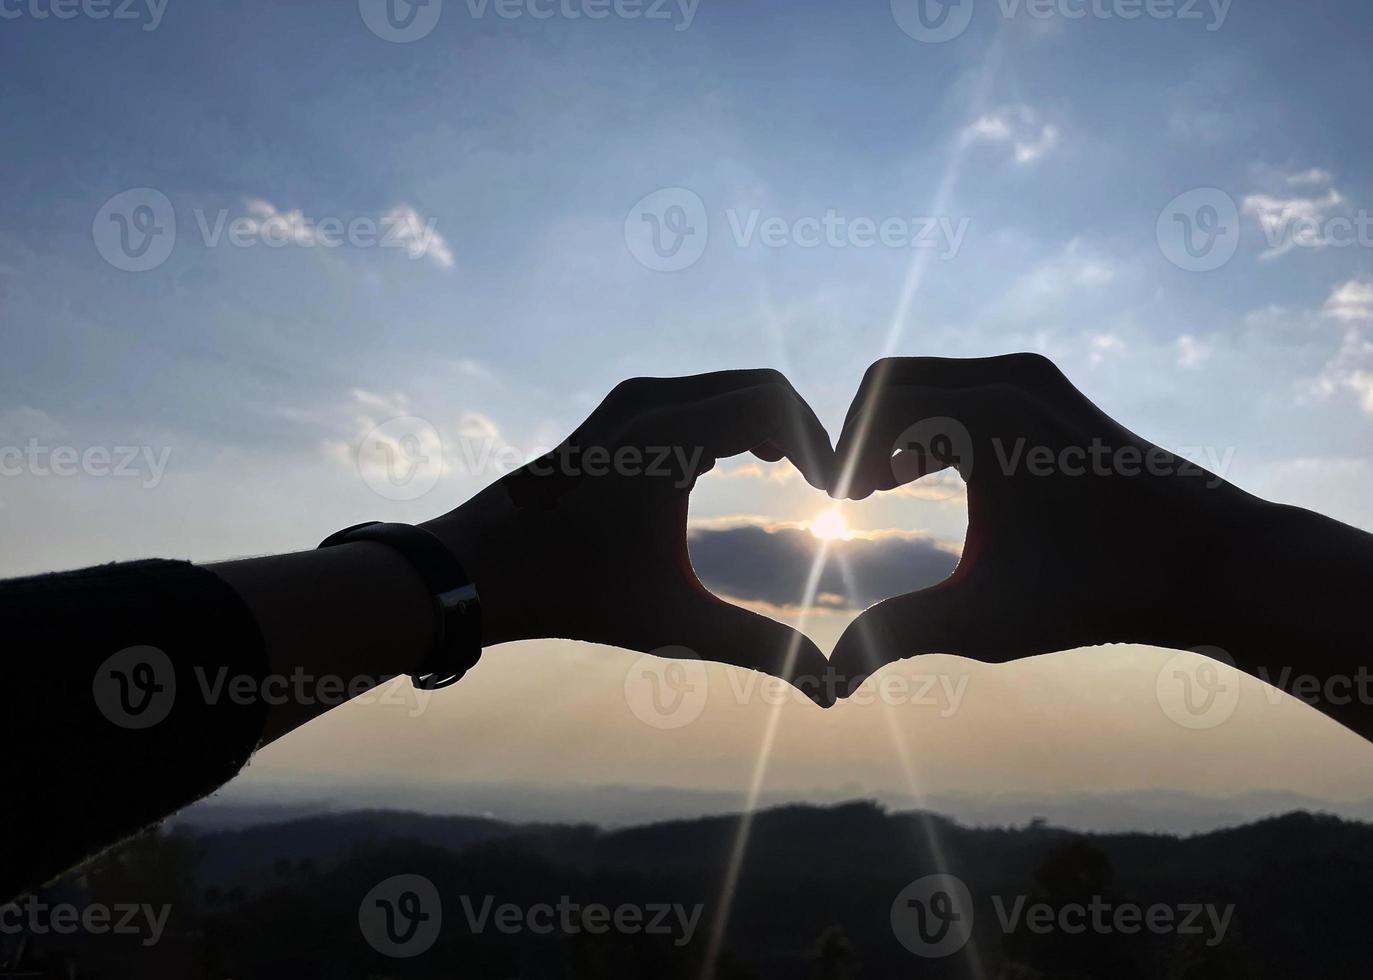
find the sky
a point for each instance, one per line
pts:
(242, 243)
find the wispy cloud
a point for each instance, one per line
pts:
(1019, 126)
(401, 227)
(1289, 222)
(1103, 346)
(389, 405)
(418, 235)
(1351, 302)
(22, 423)
(1351, 369)
(1315, 177)
(1060, 278)
(363, 418)
(1192, 353)
(265, 223)
(376, 431)
(780, 472)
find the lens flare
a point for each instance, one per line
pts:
(831, 526)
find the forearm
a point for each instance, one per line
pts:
(191, 670)
(356, 615)
(1291, 610)
(118, 715)
(336, 622)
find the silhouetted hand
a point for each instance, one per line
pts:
(1079, 531)
(589, 541)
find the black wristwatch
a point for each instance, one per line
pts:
(457, 608)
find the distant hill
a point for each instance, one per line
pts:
(815, 897)
(1167, 811)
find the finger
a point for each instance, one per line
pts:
(935, 620)
(769, 451)
(1024, 370)
(801, 438)
(634, 398)
(873, 419)
(639, 395)
(926, 372)
(738, 421)
(913, 431)
(729, 634)
(693, 387)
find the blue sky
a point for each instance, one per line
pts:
(508, 154)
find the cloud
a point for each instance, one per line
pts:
(1102, 346)
(473, 368)
(401, 227)
(267, 224)
(1301, 333)
(373, 429)
(1351, 302)
(780, 472)
(1063, 275)
(1314, 177)
(770, 564)
(1019, 126)
(21, 423)
(1351, 369)
(1288, 222)
(419, 236)
(1192, 353)
(392, 404)
(1361, 383)
(368, 413)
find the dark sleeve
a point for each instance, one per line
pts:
(130, 691)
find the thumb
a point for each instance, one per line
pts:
(935, 620)
(729, 634)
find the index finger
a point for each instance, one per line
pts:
(740, 420)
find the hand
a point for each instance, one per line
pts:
(589, 542)
(1079, 531)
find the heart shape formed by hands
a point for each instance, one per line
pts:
(589, 542)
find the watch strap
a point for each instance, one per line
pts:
(457, 606)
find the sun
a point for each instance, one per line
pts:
(831, 526)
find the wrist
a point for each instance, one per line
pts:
(479, 534)
(1286, 583)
